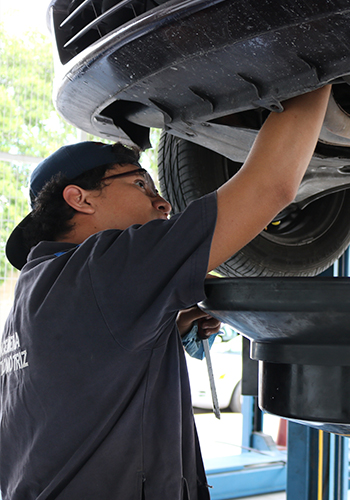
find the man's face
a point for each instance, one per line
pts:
(128, 199)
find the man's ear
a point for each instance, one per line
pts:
(78, 198)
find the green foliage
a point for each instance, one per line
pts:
(29, 124)
(13, 205)
(28, 121)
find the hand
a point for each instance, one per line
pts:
(207, 325)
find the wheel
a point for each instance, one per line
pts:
(236, 404)
(297, 243)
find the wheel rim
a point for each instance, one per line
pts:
(300, 227)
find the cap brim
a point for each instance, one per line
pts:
(17, 249)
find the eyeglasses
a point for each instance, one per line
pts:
(149, 184)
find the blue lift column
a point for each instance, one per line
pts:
(317, 464)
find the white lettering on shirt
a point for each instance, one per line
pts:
(12, 358)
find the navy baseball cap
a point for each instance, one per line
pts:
(71, 161)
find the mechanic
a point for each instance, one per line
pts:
(95, 398)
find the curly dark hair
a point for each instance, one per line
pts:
(51, 217)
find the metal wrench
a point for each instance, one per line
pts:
(211, 378)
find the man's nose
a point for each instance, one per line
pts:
(162, 205)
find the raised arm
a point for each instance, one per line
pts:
(270, 176)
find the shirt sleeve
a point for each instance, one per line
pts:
(142, 276)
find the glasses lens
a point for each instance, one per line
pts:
(141, 171)
(150, 184)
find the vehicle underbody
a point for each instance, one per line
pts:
(208, 72)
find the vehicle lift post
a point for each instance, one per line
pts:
(299, 343)
(318, 462)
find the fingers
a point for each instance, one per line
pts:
(208, 326)
(186, 318)
(194, 313)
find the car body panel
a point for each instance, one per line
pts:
(196, 67)
(209, 72)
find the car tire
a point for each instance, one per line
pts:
(235, 405)
(307, 243)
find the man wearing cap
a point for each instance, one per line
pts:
(95, 395)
